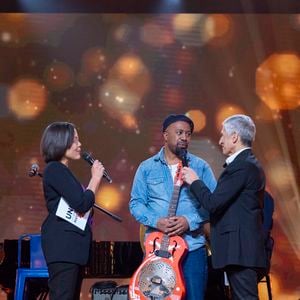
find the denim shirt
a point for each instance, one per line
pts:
(152, 192)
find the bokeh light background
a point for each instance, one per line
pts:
(117, 76)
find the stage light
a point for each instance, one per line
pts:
(264, 113)
(129, 66)
(189, 29)
(198, 118)
(165, 6)
(131, 71)
(218, 29)
(109, 197)
(156, 35)
(278, 81)
(200, 29)
(93, 61)
(117, 100)
(226, 111)
(280, 174)
(27, 98)
(129, 121)
(6, 37)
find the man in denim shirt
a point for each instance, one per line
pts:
(152, 192)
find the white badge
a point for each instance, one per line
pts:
(67, 213)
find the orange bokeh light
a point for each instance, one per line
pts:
(93, 61)
(109, 197)
(130, 65)
(218, 29)
(280, 173)
(263, 112)
(262, 288)
(278, 81)
(156, 35)
(186, 22)
(117, 99)
(189, 29)
(132, 72)
(226, 111)
(129, 121)
(217, 25)
(24, 27)
(198, 118)
(27, 99)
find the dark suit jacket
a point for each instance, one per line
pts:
(235, 209)
(61, 240)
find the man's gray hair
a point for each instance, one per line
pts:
(243, 125)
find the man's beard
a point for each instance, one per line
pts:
(181, 154)
(178, 147)
(181, 145)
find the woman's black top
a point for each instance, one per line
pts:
(61, 240)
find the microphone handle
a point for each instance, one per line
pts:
(105, 174)
(184, 161)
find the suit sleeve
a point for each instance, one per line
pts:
(209, 180)
(64, 183)
(228, 188)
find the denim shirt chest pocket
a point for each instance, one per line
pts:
(156, 187)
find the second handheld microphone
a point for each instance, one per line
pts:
(88, 158)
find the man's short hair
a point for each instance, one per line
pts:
(243, 125)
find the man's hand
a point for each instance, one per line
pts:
(189, 175)
(163, 224)
(172, 226)
(178, 225)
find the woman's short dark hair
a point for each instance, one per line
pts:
(57, 138)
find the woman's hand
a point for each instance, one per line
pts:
(97, 169)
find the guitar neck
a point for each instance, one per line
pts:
(172, 208)
(174, 201)
(171, 213)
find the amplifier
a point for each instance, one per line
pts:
(110, 293)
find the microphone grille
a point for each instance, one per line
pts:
(85, 155)
(35, 166)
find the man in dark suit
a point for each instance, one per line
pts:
(235, 208)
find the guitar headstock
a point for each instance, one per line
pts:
(178, 176)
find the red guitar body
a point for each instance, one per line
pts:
(160, 276)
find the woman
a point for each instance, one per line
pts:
(66, 247)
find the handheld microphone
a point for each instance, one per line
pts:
(34, 170)
(181, 153)
(88, 158)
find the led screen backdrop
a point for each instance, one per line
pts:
(117, 76)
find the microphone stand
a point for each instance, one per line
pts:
(115, 217)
